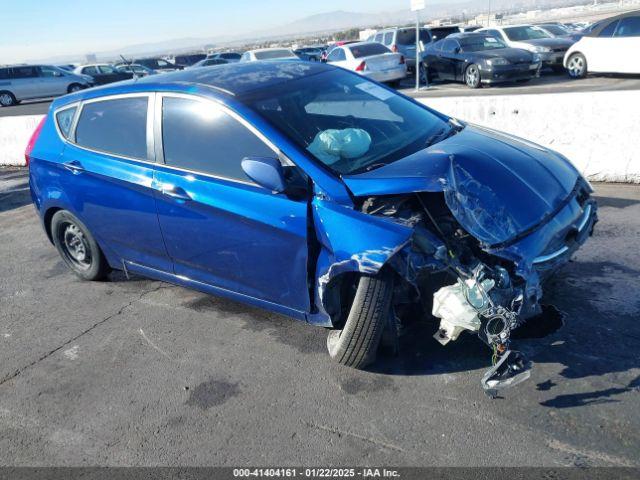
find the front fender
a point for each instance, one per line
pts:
(351, 241)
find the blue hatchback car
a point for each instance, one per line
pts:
(311, 191)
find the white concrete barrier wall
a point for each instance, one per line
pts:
(15, 133)
(598, 131)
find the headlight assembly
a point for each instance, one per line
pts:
(497, 61)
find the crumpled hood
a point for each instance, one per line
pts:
(496, 185)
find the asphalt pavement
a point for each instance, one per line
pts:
(547, 83)
(138, 372)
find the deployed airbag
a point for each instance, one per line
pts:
(332, 145)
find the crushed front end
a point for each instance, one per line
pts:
(492, 288)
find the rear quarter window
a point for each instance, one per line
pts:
(117, 126)
(64, 119)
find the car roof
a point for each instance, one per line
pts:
(230, 79)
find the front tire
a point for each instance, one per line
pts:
(577, 66)
(77, 247)
(357, 343)
(472, 76)
(74, 87)
(7, 99)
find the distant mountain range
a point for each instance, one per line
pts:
(323, 23)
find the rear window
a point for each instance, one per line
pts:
(64, 119)
(117, 126)
(368, 49)
(408, 36)
(230, 56)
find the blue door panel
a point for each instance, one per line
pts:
(114, 198)
(235, 236)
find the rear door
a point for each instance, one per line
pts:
(107, 173)
(52, 81)
(220, 228)
(25, 82)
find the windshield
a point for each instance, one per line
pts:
(517, 34)
(480, 43)
(555, 29)
(271, 54)
(348, 123)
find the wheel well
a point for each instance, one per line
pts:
(572, 54)
(71, 86)
(47, 221)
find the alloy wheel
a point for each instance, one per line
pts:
(472, 76)
(576, 66)
(6, 100)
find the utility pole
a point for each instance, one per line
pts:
(489, 15)
(416, 6)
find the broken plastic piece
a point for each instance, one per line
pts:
(511, 369)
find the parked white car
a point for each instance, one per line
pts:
(268, 54)
(611, 46)
(370, 59)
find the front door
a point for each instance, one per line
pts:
(220, 228)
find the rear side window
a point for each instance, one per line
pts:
(368, 49)
(24, 72)
(199, 136)
(117, 126)
(64, 119)
(609, 29)
(388, 38)
(628, 27)
(4, 73)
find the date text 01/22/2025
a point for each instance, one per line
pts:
(316, 472)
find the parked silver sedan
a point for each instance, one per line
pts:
(370, 59)
(25, 82)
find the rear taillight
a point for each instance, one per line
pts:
(33, 140)
(361, 67)
(394, 48)
(401, 59)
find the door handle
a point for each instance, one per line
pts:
(175, 192)
(74, 167)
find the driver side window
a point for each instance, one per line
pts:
(449, 46)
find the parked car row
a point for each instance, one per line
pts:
(470, 54)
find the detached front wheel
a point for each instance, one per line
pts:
(357, 343)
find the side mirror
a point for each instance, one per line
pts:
(266, 172)
(457, 50)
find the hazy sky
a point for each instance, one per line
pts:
(43, 28)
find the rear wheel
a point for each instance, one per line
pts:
(472, 76)
(577, 66)
(357, 343)
(7, 99)
(77, 247)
